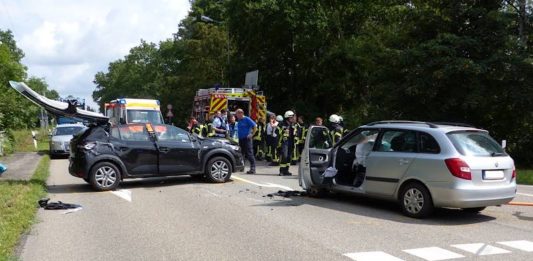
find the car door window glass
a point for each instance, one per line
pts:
(171, 133)
(428, 144)
(115, 133)
(134, 133)
(398, 141)
(320, 138)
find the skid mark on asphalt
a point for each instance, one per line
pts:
(123, 193)
(266, 185)
(437, 253)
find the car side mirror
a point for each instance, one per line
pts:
(193, 138)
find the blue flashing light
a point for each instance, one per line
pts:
(158, 103)
(122, 101)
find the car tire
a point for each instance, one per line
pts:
(474, 210)
(104, 176)
(88, 180)
(416, 201)
(218, 170)
(315, 192)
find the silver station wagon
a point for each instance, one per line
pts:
(420, 165)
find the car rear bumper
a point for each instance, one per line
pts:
(470, 196)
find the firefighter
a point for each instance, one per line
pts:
(270, 136)
(210, 129)
(258, 139)
(195, 127)
(232, 129)
(286, 142)
(302, 135)
(335, 129)
(298, 130)
(344, 129)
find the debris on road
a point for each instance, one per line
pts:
(287, 194)
(3, 168)
(44, 203)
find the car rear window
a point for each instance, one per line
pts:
(475, 143)
(67, 130)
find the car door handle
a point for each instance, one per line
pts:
(163, 149)
(403, 161)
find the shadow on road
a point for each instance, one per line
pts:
(379, 209)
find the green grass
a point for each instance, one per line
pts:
(18, 206)
(524, 176)
(22, 141)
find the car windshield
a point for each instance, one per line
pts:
(475, 143)
(143, 116)
(67, 130)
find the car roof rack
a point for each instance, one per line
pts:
(430, 124)
(459, 124)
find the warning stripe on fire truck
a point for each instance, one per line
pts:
(261, 102)
(218, 102)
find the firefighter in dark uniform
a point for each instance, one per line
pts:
(298, 129)
(274, 136)
(286, 143)
(258, 139)
(335, 129)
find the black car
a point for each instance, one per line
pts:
(104, 155)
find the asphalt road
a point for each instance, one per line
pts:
(179, 219)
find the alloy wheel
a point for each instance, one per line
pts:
(219, 170)
(105, 176)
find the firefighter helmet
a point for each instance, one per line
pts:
(334, 118)
(289, 114)
(279, 118)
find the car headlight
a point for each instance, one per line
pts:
(234, 147)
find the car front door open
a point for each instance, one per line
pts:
(315, 157)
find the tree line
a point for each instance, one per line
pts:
(432, 60)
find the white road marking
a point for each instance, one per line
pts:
(433, 253)
(123, 193)
(372, 256)
(523, 245)
(214, 194)
(481, 249)
(524, 194)
(267, 185)
(72, 210)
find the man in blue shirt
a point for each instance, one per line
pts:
(245, 132)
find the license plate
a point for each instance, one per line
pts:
(493, 174)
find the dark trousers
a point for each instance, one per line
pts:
(248, 151)
(285, 157)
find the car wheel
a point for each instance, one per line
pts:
(316, 192)
(104, 176)
(474, 210)
(416, 201)
(218, 170)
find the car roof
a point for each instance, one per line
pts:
(445, 127)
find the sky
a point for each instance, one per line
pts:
(67, 42)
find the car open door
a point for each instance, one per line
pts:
(315, 157)
(56, 107)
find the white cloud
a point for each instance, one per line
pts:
(67, 42)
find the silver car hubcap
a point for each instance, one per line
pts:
(105, 177)
(413, 200)
(219, 170)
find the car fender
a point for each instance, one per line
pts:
(406, 180)
(219, 151)
(114, 159)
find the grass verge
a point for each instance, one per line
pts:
(524, 176)
(18, 206)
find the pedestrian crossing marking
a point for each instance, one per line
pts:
(481, 249)
(372, 256)
(433, 253)
(523, 245)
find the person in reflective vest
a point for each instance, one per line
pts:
(210, 128)
(219, 125)
(271, 140)
(298, 130)
(258, 140)
(335, 129)
(232, 129)
(301, 135)
(286, 143)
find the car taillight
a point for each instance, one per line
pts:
(514, 174)
(459, 168)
